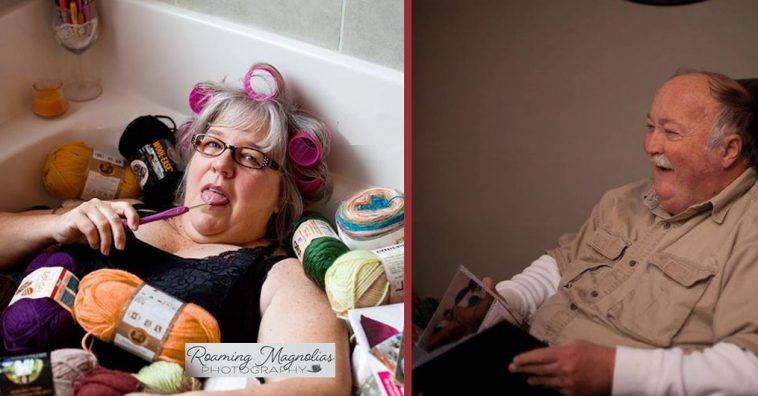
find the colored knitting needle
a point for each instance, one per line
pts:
(166, 214)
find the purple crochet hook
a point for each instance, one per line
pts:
(173, 212)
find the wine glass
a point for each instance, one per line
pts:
(75, 24)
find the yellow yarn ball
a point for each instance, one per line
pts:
(66, 169)
(356, 280)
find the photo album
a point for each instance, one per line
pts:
(470, 340)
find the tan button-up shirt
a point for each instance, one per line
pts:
(635, 275)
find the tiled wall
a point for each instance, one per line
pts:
(368, 29)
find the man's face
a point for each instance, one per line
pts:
(685, 172)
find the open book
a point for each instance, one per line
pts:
(467, 307)
(469, 342)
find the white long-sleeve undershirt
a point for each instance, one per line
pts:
(723, 369)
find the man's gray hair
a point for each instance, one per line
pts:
(736, 113)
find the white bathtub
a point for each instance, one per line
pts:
(149, 56)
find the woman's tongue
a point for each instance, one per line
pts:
(214, 198)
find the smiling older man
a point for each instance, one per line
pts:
(656, 294)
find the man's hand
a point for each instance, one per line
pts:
(573, 368)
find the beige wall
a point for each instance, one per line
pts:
(525, 112)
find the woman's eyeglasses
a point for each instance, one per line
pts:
(246, 156)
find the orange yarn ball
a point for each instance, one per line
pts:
(102, 296)
(66, 169)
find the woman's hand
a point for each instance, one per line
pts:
(97, 223)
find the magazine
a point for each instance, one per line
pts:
(472, 337)
(467, 307)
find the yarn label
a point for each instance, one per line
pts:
(146, 321)
(392, 258)
(154, 162)
(307, 231)
(56, 283)
(103, 176)
(27, 375)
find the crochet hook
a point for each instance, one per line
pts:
(166, 214)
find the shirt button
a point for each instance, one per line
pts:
(632, 263)
(667, 225)
(594, 293)
(573, 307)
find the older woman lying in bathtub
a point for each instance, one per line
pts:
(224, 255)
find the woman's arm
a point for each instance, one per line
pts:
(294, 310)
(95, 222)
(24, 234)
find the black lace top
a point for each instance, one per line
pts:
(227, 285)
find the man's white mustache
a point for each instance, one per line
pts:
(661, 161)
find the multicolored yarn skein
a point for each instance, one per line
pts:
(371, 219)
(30, 325)
(68, 365)
(104, 293)
(67, 168)
(167, 378)
(104, 382)
(317, 245)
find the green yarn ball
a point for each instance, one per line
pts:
(166, 378)
(321, 253)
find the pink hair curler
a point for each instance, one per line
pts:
(198, 97)
(258, 97)
(304, 149)
(307, 183)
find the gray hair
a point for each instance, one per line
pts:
(231, 107)
(736, 113)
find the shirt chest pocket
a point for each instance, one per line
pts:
(602, 248)
(659, 300)
(595, 261)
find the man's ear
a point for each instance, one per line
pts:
(731, 148)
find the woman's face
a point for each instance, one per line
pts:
(240, 200)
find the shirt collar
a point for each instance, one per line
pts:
(719, 204)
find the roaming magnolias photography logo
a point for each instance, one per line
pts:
(259, 360)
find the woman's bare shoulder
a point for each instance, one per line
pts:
(287, 278)
(287, 270)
